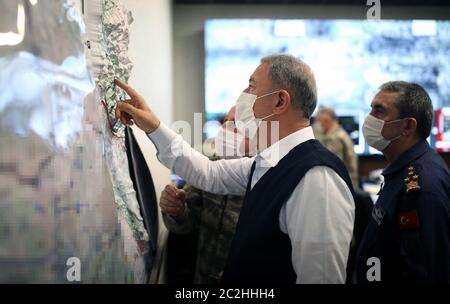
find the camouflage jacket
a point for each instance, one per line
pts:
(214, 218)
(339, 142)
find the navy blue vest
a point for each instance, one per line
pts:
(260, 251)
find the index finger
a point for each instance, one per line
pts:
(130, 91)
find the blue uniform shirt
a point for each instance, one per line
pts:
(408, 236)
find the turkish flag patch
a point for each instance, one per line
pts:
(408, 220)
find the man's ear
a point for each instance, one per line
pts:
(284, 102)
(411, 126)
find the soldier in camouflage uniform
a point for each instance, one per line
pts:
(212, 216)
(336, 139)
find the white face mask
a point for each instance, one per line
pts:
(372, 128)
(229, 144)
(245, 117)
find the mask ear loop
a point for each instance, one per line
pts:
(268, 94)
(394, 121)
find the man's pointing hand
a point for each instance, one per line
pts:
(135, 110)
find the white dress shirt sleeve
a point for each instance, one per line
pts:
(319, 217)
(221, 176)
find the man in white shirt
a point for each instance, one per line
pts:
(314, 205)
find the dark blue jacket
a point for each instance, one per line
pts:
(260, 251)
(409, 231)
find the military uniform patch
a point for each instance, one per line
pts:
(411, 180)
(378, 214)
(408, 220)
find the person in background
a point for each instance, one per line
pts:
(336, 139)
(408, 236)
(211, 217)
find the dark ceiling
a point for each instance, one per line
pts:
(320, 2)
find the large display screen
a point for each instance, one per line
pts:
(350, 59)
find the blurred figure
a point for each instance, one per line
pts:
(336, 139)
(211, 217)
(317, 127)
(328, 131)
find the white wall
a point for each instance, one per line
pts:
(151, 53)
(188, 22)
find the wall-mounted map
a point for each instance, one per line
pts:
(65, 189)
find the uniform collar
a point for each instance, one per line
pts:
(407, 157)
(333, 129)
(270, 156)
(332, 133)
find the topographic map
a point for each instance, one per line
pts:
(64, 182)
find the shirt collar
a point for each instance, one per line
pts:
(270, 156)
(407, 157)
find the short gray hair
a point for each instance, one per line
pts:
(413, 101)
(290, 73)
